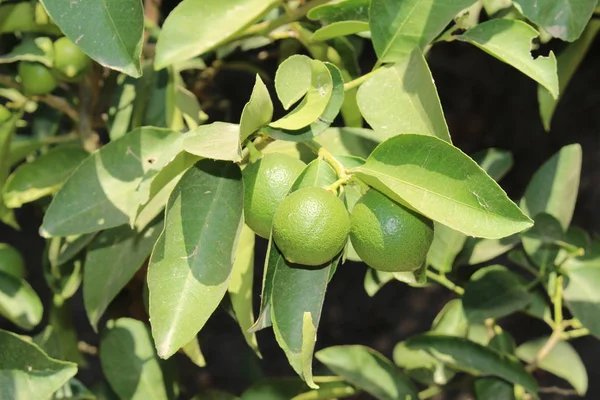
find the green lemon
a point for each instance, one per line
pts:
(311, 226)
(11, 261)
(5, 113)
(70, 63)
(266, 183)
(388, 236)
(36, 78)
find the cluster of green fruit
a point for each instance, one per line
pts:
(311, 225)
(70, 64)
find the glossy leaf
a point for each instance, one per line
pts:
(403, 99)
(219, 141)
(194, 352)
(474, 358)
(193, 257)
(43, 176)
(368, 370)
(19, 303)
(293, 79)
(345, 10)
(314, 102)
(442, 183)
(582, 294)
(568, 61)
(510, 41)
(129, 361)
(195, 27)
(476, 250)
(100, 193)
(324, 120)
(240, 286)
(494, 292)
(257, 112)
(562, 361)
(111, 261)
(562, 19)
(342, 28)
(397, 27)
(26, 372)
(89, 23)
(553, 188)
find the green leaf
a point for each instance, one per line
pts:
(25, 17)
(510, 41)
(494, 292)
(73, 390)
(316, 174)
(442, 183)
(187, 104)
(421, 366)
(112, 260)
(26, 372)
(195, 27)
(562, 19)
(257, 112)
(64, 249)
(375, 280)
(314, 102)
(582, 294)
(397, 27)
(403, 99)
(368, 370)
(93, 22)
(344, 10)
(43, 176)
(219, 141)
(7, 131)
(21, 147)
(240, 286)
(129, 361)
(38, 49)
(451, 320)
(562, 361)
(493, 389)
(194, 352)
(324, 120)
(296, 389)
(193, 257)
(342, 28)
(121, 107)
(553, 188)
(19, 303)
(293, 79)
(446, 245)
(474, 358)
(568, 61)
(540, 242)
(477, 251)
(100, 192)
(155, 103)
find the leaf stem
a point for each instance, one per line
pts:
(557, 300)
(264, 28)
(575, 333)
(442, 280)
(360, 80)
(429, 392)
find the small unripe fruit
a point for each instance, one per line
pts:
(70, 63)
(36, 78)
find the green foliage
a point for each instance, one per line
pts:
(153, 212)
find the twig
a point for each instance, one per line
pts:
(558, 390)
(442, 280)
(360, 80)
(575, 333)
(429, 392)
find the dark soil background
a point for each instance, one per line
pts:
(487, 104)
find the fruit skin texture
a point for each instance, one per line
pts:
(11, 261)
(70, 63)
(388, 236)
(36, 78)
(311, 226)
(266, 183)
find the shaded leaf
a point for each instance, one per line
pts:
(112, 259)
(403, 99)
(100, 192)
(26, 372)
(89, 23)
(342, 28)
(345, 10)
(38, 49)
(368, 370)
(19, 303)
(582, 294)
(451, 320)
(296, 389)
(510, 41)
(194, 255)
(121, 106)
(194, 352)
(375, 280)
(442, 183)
(129, 361)
(562, 361)
(195, 27)
(476, 250)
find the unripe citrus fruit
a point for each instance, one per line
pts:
(70, 63)
(36, 78)
(266, 183)
(311, 226)
(387, 235)
(5, 114)
(11, 261)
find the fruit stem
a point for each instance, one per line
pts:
(442, 280)
(360, 80)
